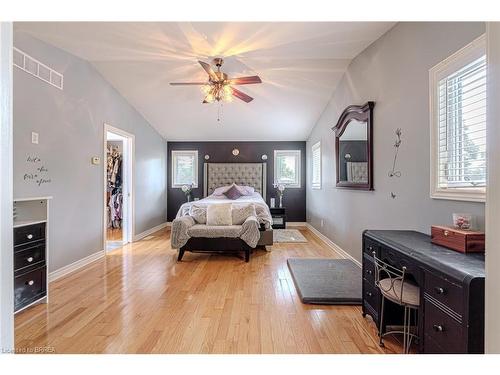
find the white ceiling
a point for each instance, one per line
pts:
(300, 65)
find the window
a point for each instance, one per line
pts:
(458, 125)
(287, 168)
(184, 168)
(316, 166)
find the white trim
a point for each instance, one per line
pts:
(298, 173)
(148, 232)
(333, 245)
(129, 178)
(6, 190)
(194, 154)
(75, 266)
(453, 62)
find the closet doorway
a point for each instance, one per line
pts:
(118, 164)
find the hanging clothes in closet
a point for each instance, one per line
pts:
(115, 196)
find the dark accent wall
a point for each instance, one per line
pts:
(250, 152)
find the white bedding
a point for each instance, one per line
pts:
(261, 208)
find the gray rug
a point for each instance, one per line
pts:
(288, 235)
(326, 281)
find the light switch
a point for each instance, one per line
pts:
(96, 160)
(34, 138)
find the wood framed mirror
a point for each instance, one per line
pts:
(354, 147)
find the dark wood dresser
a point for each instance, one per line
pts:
(451, 313)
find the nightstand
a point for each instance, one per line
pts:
(279, 217)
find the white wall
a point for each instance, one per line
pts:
(493, 195)
(393, 72)
(6, 246)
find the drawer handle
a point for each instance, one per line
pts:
(370, 248)
(31, 282)
(369, 294)
(446, 233)
(30, 236)
(438, 328)
(30, 259)
(439, 290)
(369, 272)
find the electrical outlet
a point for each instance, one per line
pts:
(34, 138)
(322, 223)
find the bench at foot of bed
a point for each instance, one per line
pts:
(215, 245)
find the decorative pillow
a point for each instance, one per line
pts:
(233, 193)
(221, 190)
(219, 214)
(240, 212)
(245, 190)
(198, 213)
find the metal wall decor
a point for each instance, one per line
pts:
(394, 172)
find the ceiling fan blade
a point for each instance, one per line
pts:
(241, 95)
(209, 71)
(245, 80)
(187, 83)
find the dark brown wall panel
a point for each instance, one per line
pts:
(250, 152)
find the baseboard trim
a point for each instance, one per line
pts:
(75, 266)
(295, 224)
(332, 244)
(169, 223)
(146, 233)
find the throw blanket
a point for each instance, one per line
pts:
(184, 227)
(261, 208)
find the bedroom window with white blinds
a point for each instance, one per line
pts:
(458, 121)
(316, 166)
(184, 168)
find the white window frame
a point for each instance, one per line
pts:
(298, 161)
(175, 154)
(455, 62)
(315, 184)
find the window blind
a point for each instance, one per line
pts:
(316, 166)
(462, 127)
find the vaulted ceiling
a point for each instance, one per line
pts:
(300, 65)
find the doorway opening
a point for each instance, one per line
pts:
(118, 187)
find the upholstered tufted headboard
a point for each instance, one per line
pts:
(221, 174)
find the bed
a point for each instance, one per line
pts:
(223, 174)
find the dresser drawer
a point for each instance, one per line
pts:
(444, 291)
(368, 269)
(29, 287)
(371, 295)
(29, 233)
(370, 246)
(445, 331)
(29, 256)
(399, 261)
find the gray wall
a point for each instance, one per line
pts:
(393, 72)
(70, 124)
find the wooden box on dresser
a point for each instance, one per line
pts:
(451, 312)
(30, 252)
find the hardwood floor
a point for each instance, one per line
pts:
(114, 234)
(140, 300)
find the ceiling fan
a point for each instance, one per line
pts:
(219, 87)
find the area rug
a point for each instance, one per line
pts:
(288, 235)
(325, 281)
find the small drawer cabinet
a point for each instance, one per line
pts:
(451, 312)
(278, 215)
(30, 252)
